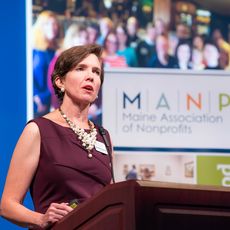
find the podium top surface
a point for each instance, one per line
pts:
(159, 184)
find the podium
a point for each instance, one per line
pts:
(143, 205)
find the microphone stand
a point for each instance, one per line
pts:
(103, 134)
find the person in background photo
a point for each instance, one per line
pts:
(183, 55)
(123, 49)
(67, 20)
(198, 52)
(211, 56)
(61, 156)
(223, 47)
(132, 174)
(146, 47)
(132, 26)
(162, 58)
(45, 33)
(93, 32)
(110, 55)
(161, 27)
(105, 25)
(182, 32)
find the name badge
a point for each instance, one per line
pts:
(100, 147)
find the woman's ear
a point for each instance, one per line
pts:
(59, 83)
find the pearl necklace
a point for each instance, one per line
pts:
(88, 139)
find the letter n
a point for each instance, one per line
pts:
(197, 103)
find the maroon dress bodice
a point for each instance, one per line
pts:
(64, 170)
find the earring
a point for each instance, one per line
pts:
(97, 96)
(62, 89)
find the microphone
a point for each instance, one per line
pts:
(103, 134)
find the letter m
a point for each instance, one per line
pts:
(136, 99)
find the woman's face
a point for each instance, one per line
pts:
(50, 28)
(121, 35)
(132, 27)
(111, 44)
(83, 37)
(162, 45)
(92, 35)
(83, 82)
(198, 43)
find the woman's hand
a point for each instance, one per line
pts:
(54, 213)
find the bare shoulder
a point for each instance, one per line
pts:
(28, 146)
(31, 129)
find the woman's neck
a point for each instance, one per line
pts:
(77, 114)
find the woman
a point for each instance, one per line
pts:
(60, 156)
(75, 35)
(93, 32)
(183, 55)
(105, 26)
(110, 56)
(198, 53)
(127, 52)
(45, 33)
(211, 56)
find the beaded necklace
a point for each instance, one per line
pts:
(88, 140)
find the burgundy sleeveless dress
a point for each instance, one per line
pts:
(64, 170)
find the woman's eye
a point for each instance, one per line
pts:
(97, 72)
(79, 69)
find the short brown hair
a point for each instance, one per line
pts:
(68, 60)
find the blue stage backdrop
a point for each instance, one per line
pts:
(13, 86)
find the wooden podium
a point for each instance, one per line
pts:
(142, 205)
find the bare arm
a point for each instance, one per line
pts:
(23, 165)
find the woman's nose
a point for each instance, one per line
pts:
(90, 75)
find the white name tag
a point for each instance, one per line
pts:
(100, 147)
